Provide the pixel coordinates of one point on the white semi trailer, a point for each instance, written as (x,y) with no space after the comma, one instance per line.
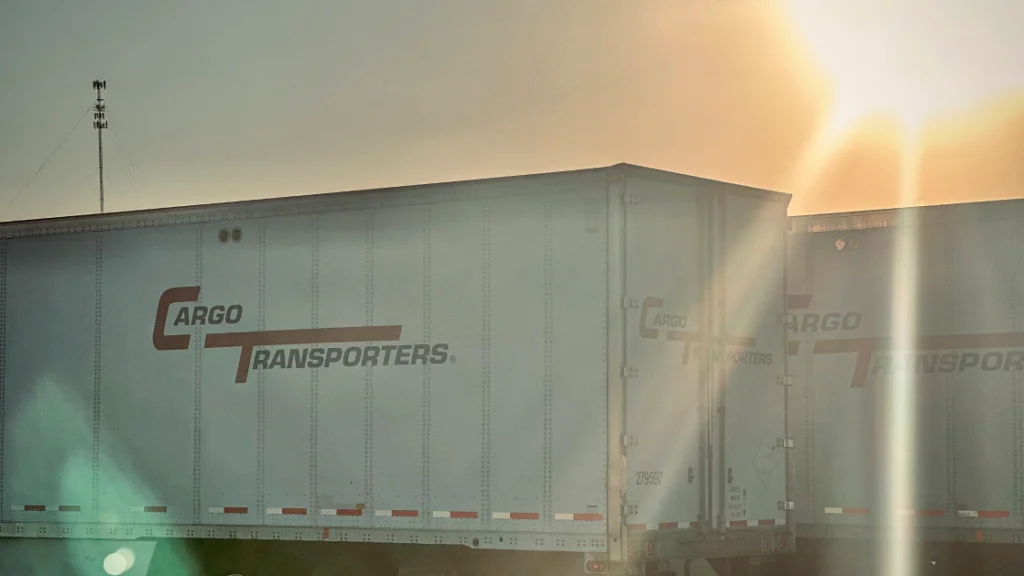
(579,371)
(962,364)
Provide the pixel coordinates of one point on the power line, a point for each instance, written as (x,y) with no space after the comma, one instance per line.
(122,144)
(45,162)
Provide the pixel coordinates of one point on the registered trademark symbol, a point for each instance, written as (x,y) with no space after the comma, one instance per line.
(451,359)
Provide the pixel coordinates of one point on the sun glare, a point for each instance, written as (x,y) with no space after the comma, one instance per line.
(910,60)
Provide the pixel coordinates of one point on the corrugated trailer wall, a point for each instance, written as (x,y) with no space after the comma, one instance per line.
(964,364)
(461,364)
(280,408)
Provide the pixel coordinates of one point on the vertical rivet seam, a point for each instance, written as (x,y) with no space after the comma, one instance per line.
(1015,285)
(368,381)
(197,394)
(485,372)
(605,349)
(314,375)
(97,373)
(261,380)
(548,360)
(3,367)
(425,409)
(949,285)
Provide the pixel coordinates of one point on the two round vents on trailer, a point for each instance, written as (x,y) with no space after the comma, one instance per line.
(234,235)
(842,244)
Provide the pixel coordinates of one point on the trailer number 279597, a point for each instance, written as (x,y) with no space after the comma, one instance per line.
(648,478)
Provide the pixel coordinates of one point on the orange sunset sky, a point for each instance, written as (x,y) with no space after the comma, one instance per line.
(844,105)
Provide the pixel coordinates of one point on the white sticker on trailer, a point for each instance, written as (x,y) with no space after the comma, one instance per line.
(737,506)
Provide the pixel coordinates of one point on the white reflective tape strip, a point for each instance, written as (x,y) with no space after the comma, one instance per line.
(382,512)
(275,511)
(968,513)
(501,515)
(442,514)
(328,511)
(565,516)
(216,510)
(833,510)
(780,522)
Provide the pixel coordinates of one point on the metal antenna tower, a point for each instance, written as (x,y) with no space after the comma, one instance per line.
(99,122)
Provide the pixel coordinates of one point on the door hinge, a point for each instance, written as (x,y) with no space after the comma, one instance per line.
(630,199)
(629,509)
(784,380)
(785,443)
(630,372)
(628,303)
(629,440)
(787,505)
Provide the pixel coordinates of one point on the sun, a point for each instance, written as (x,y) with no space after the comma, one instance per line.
(910,60)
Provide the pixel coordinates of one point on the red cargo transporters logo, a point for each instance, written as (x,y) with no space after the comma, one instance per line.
(291,348)
(935,354)
(652,321)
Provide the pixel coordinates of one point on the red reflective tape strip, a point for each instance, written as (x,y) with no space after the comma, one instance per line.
(455,514)
(348,512)
(43,508)
(637,526)
(668,526)
(398,513)
(738,524)
(523,516)
(293,511)
(149,509)
(856,511)
(993,514)
(236,510)
(573,517)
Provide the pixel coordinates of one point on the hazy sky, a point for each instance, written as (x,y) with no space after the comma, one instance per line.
(213,100)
